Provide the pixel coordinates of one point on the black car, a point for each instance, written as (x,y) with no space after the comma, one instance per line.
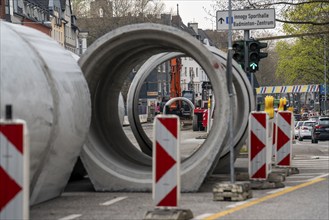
(320,130)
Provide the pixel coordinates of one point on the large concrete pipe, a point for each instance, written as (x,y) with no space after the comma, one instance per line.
(111,160)
(47,89)
(244,104)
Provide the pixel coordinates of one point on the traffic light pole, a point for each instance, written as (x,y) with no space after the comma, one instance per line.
(230,92)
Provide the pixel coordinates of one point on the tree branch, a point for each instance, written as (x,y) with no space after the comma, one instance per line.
(302,22)
(288,3)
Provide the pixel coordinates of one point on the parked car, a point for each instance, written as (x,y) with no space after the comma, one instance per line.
(320,130)
(297,117)
(297,126)
(314,118)
(305,130)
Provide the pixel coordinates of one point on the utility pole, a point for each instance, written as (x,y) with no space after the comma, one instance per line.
(230,92)
(325,73)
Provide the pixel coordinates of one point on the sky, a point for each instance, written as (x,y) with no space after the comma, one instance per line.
(192,11)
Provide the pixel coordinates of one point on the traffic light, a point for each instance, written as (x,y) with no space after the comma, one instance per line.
(254,54)
(238,56)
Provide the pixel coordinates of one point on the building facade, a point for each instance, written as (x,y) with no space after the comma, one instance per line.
(52,17)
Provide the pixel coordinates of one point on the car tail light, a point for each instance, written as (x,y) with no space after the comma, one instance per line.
(318,126)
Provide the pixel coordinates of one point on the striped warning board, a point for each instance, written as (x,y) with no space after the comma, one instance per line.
(287,89)
(284,138)
(14,170)
(166,161)
(258,145)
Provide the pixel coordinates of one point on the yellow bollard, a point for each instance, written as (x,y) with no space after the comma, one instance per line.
(283,103)
(269,106)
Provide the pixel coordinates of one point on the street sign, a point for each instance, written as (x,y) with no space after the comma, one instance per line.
(246,19)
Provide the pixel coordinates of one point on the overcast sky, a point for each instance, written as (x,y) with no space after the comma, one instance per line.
(192,11)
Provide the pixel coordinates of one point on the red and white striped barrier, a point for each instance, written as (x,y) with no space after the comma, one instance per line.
(166,161)
(14,170)
(284,138)
(274,136)
(260,146)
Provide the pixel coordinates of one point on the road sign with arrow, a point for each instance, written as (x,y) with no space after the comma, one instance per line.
(246,19)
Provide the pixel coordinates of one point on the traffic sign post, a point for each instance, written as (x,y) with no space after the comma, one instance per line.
(246,19)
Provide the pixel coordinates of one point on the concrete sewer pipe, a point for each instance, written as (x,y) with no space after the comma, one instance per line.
(47,89)
(113,163)
(244,104)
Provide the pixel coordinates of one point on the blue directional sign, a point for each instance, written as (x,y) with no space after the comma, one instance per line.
(323,89)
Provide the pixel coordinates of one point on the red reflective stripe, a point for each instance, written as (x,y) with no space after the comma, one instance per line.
(163,162)
(170,124)
(286,116)
(170,199)
(261,118)
(256,145)
(8,188)
(282,139)
(261,173)
(285,161)
(14,133)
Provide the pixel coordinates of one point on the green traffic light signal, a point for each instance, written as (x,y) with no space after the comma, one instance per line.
(254,54)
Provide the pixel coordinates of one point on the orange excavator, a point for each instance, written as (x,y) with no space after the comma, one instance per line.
(179,108)
(175,88)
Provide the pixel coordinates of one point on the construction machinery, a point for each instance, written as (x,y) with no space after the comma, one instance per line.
(201,109)
(179,108)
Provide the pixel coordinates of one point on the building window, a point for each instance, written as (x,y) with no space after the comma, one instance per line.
(196,72)
(101,13)
(185,71)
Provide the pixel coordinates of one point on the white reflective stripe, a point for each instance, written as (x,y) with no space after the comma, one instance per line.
(11,160)
(257,162)
(14,208)
(258,130)
(283,152)
(165,184)
(284,125)
(166,140)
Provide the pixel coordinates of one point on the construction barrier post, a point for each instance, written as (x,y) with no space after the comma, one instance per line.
(166,170)
(284,138)
(14,168)
(260,146)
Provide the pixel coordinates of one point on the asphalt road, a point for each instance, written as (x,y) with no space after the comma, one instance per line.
(305,195)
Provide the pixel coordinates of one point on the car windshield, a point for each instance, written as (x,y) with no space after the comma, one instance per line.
(299,123)
(309,124)
(324,121)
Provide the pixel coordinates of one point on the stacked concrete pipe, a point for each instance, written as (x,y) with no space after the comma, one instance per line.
(111,160)
(47,89)
(244,104)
